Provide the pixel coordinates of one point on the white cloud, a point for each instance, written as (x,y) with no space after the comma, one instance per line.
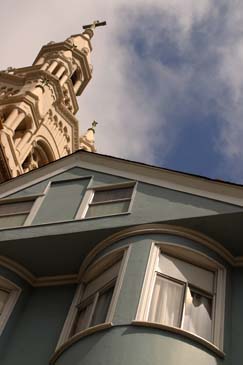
(132,95)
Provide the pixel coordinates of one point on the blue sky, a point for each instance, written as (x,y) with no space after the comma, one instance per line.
(167,86)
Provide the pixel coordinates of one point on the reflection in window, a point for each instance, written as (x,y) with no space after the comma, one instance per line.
(14,214)
(183,296)
(110,201)
(96,300)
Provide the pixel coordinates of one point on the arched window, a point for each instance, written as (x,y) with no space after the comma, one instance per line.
(39,156)
(74,77)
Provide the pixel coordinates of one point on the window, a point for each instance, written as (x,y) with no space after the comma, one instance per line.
(95,299)
(93,309)
(186,292)
(9,294)
(109,201)
(183,296)
(61,200)
(14,214)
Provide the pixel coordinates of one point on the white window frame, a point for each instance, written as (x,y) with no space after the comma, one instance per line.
(14,293)
(195,258)
(34,198)
(89,195)
(99,265)
(44,195)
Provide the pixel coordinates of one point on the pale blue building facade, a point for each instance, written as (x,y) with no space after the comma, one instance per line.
(107,261)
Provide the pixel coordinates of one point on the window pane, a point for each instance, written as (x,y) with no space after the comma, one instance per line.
(3,299)
(12,220)
(62,201)
(184,271)
(82,320)
(107,209)
(166,305)
(14,208)
(198,314)
(102,280)
(112,194)
(102,307)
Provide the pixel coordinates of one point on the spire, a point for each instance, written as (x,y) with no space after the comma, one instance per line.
(87,141)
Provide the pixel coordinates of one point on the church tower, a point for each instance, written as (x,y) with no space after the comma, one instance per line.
(38,105)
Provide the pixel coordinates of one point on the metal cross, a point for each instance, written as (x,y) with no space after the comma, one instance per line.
(94,25)
(94,124)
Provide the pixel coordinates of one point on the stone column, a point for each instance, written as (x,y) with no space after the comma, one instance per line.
(45,66)
(77,85)
(17,120)
(60,71)
(24,140)
(63,79)
(52,66)
(14,119)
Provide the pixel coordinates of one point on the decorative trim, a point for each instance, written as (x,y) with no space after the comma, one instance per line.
(104,326)
(146,288)
(130,232)
(34,281)
(158,229)
(14,293)
(18,269)
(182,333)
(55,280)
(173,180)
(77,337)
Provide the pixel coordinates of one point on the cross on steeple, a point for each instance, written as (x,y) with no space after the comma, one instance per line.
(94,25)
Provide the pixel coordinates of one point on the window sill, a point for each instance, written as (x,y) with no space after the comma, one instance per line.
(65,221)
(77,337)
(104,216)
(183,333)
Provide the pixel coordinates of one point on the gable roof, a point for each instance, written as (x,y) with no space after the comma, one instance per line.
(193,184)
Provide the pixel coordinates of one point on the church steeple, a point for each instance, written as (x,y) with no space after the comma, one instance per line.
(38,105)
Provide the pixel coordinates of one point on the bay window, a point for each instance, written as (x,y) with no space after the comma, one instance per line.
(96,299)
(184,290)
(183,296)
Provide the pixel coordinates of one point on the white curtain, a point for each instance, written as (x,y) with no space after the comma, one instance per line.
(166,302)
(198,314)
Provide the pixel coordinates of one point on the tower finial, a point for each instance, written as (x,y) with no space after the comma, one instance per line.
(95,24)
(87,141)
(89,28)
(94,124)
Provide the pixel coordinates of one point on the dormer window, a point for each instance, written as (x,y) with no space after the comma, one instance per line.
(109,200)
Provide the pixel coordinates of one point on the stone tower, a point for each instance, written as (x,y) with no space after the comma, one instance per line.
(38,106)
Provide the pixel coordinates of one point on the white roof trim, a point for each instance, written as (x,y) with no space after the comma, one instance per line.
(216,190)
